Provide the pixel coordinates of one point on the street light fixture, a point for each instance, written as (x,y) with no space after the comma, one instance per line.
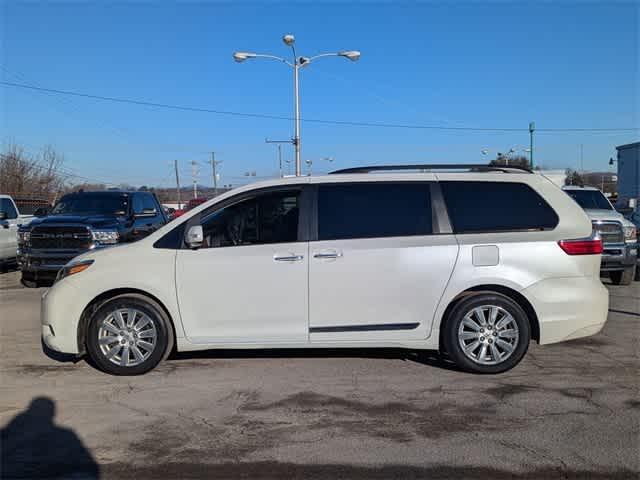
(242,56)
(296,64)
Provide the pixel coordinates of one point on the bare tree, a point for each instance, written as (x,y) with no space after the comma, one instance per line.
(31,176)
(574,178)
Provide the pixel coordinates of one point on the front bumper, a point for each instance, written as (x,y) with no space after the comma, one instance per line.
(60,315)
(45,262)
(619,256)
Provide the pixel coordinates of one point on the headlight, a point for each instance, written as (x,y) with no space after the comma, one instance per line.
(24,237)
(105,237)
(630,234)
(73,268)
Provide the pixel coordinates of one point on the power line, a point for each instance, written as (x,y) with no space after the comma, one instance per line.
(308,120)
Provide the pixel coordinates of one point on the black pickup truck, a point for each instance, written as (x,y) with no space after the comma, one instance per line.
(84,221)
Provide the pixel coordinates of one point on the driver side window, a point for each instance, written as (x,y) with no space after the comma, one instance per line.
(268,218)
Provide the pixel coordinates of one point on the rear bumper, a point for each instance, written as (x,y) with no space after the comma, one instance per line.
(569,308)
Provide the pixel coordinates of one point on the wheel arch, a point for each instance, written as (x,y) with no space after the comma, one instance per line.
(100,299)
(493,288)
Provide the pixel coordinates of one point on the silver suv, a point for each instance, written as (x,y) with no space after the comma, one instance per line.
(618,234)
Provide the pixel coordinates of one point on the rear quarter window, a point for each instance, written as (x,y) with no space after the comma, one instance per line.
(477,207)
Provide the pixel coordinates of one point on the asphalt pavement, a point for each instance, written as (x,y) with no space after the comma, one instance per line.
(569,410)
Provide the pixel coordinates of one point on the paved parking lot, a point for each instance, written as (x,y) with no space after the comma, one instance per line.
(568,411)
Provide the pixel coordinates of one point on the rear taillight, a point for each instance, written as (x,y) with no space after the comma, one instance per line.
(582,246)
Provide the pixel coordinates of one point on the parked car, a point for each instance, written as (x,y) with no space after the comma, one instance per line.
(178,213)
(618,234)
(193,203)
(474,264)
(81,222)
(169,212)
(10,219)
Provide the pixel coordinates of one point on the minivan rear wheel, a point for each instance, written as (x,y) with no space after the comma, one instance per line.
(129,335)
(487,333)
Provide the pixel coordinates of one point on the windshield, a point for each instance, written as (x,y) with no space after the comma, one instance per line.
(590,199)
(92,204)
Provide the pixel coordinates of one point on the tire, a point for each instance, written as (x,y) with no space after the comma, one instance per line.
(501,351)
(112,334)
(637,275)
(29,281)
(622,277)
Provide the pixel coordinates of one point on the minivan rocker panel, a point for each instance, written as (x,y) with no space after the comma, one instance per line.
(354,260)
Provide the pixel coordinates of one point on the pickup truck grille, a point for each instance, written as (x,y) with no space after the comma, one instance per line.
(610,232)
(61,237)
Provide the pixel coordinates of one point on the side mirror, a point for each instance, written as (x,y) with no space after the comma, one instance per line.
(146,212)
(195,237)
(3,215)
(41,212)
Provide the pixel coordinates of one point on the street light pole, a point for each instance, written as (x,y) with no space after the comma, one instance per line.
(532,128)
(298,62)
(296,133)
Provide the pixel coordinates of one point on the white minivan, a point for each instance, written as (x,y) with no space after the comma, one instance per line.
(474,263)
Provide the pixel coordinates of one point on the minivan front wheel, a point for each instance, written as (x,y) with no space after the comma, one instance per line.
(487,333)
(129,335)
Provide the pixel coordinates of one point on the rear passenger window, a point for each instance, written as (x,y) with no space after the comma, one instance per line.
(496,206)
(367,210)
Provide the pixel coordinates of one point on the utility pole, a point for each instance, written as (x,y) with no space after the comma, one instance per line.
(214,163)
(279,142)
(194,176)
(532,127)
(175,164)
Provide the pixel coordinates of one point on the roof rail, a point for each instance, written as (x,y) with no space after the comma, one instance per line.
(476,167)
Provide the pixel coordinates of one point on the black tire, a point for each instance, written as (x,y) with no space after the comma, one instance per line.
(622,277)
(29,280)
(484,299)
(156,314)
(637,275)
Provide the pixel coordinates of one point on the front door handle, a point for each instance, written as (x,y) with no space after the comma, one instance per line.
(288,258)
(327,255)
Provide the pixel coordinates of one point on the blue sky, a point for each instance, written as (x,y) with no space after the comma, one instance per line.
(500,64)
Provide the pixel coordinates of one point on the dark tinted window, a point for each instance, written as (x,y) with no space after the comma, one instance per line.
(496,206)
(172,240)
(92,204)
(269,218)
(367,210)
(7,207)
(143,201)
(593,199)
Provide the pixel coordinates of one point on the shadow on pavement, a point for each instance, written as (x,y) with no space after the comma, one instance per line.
(427,357)
(33,446)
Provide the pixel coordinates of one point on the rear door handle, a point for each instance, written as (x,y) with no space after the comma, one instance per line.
(327,255)
(288,258)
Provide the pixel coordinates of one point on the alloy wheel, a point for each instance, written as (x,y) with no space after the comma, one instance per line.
(488,335)
(127,337)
